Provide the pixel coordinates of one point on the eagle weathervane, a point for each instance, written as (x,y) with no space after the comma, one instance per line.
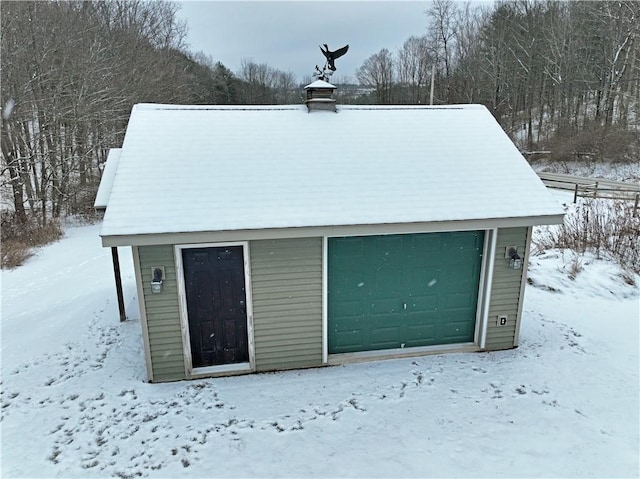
(329,66)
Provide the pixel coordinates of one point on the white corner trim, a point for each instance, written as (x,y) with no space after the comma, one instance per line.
(523,284)
(143,313)
(182,307)
(486,297)
(325,300)
(479,326)
(248,292)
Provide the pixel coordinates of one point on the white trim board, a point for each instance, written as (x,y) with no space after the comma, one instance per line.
(336,359)
(325,300)
(486,299)
(523,284)
(143,313)
(190,371)
(207,237)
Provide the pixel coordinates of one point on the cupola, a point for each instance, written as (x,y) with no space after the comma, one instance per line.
(320,96)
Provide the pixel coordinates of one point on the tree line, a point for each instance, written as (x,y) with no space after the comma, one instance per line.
(72,70)
(542,67)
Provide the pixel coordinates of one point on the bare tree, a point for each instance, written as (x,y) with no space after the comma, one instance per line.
(258,81)
(414,69)
(377,72)
(441,28)
(286,88)
(467,81)
(73,70)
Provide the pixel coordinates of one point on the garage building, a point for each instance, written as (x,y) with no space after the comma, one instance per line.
(277,237)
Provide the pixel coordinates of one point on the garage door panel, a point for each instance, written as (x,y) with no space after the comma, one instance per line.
(425,276)
(421,331)
(454,330)
(386,280)
(412,290)
(427,242)
(457,272)
(348,284)
(462,281)
(384,337)
(457,300)
(349,322)
(386,248)
(347,341)
(347,290)
(424,303)
(347,308)
(421,342)
(461,238)
(385,306)
(414,318)
(350,247)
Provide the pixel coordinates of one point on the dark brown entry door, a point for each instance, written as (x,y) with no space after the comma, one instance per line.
(216,305)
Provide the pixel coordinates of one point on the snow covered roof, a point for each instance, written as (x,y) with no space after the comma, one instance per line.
(225,168)
(320,84)
(106,183)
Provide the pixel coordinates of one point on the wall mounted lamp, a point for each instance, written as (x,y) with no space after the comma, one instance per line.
(157,275)
(515,261)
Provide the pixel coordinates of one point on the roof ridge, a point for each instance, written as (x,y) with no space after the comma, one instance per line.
(168,107)
(290,107)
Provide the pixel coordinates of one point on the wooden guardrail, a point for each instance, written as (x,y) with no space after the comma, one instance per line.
(594,187)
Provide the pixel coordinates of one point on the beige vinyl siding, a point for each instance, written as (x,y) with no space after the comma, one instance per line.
(505,289)
(163,314)
(286,280)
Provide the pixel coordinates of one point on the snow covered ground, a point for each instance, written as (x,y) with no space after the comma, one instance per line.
(75,404)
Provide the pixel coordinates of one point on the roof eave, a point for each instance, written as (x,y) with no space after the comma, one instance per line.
(195,237)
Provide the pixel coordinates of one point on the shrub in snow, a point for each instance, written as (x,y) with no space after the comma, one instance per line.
(606,228)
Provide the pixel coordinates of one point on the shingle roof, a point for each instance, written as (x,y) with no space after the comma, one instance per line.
(195,168)
(106,183)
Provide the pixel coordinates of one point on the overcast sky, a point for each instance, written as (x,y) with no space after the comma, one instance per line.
(287,35)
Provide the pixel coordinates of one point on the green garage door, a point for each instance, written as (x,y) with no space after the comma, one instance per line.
(402,291)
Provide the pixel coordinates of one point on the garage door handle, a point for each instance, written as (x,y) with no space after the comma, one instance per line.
(404,305)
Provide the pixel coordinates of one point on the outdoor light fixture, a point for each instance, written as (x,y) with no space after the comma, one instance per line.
(157,274)
(515,262)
